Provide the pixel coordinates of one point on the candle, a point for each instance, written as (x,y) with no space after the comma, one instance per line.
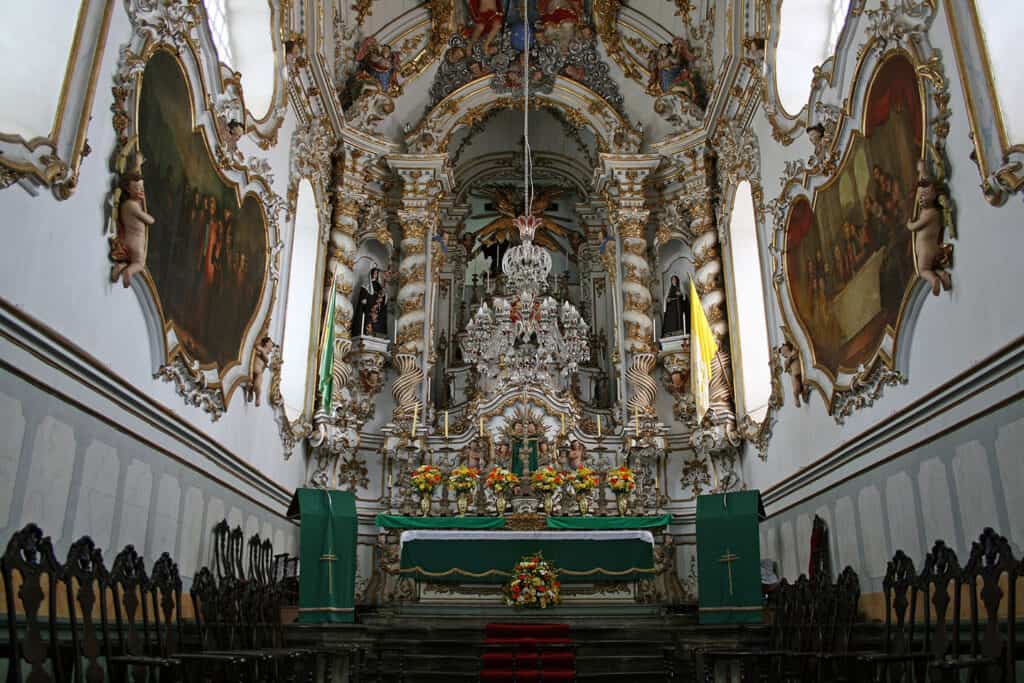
(396,331)
(563,424)
(362,324)
(655,322)
(481,425)
(389,480)
(415,414)
(446,424)
(636,419)
(599,426)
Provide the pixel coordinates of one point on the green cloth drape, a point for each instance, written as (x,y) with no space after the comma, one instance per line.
(609,522)
(729,558)
(516,466)
(403,522)
(491,561)
(327,555)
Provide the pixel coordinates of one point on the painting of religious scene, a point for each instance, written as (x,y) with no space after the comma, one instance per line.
(207,252)
(492,38)
(849,259)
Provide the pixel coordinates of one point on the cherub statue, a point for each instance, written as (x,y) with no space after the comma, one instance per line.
(577,454)
(260,361)
(129,248)
(927,228)
(791,364)
(819,142)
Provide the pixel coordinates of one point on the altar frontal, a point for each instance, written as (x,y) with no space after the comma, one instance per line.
(487,556)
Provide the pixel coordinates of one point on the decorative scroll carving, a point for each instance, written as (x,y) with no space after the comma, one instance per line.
(865,388)
(193,386)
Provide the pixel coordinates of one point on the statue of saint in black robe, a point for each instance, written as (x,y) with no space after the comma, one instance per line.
(677,311)
(370,316)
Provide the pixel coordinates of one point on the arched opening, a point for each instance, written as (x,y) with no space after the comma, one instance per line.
(751,328)
(299,327)
(808,33)
(242,33)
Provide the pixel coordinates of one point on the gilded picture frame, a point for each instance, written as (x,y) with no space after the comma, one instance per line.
(847,385)
(204,378)
(53,160)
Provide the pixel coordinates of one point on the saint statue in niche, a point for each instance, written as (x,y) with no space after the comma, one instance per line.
(370,316)
(677,310)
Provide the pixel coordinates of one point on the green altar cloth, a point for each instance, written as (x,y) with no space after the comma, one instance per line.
(488,557)
(403,522)
(609,522)
(729,558)
(327,555)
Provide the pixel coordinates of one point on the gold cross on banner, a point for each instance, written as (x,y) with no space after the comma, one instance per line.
(330,558)
(728,559)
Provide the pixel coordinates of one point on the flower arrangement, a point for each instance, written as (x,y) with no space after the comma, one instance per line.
(582,479)
(534,583)
(546,479)
(621,480)
(426,478)
(500,480)
(463,479)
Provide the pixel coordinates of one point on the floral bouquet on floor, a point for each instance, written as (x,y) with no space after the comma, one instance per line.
(534,583)
(463,479)
(501,480)
(426,478)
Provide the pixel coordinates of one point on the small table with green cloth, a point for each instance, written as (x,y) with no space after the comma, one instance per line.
(477,556)
(729,557)
(327,555)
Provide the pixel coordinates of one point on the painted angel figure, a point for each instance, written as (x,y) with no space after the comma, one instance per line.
(671,70)
(378,68)
(559,19)
(486,17)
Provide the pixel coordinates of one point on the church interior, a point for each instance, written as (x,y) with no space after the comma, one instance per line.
(538,357)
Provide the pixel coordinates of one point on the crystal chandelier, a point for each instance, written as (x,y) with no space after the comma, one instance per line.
(526,338)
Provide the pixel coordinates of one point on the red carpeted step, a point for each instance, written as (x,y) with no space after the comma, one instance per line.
(533,653)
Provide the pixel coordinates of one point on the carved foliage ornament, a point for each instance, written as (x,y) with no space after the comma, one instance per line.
(236,194)
(901,117)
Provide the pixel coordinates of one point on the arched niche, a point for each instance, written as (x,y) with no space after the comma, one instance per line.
(304,271)
(749,336)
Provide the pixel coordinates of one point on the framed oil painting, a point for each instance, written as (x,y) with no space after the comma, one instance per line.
(207,251)
(848,247)
(849,256)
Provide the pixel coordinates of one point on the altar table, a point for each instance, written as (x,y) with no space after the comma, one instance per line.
(474,556)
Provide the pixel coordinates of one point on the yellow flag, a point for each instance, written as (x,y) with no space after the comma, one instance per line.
(702,349)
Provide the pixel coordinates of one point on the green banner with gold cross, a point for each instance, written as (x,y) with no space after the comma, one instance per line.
(327,555)
(729,558)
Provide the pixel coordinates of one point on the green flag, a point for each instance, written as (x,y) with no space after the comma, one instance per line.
(325,383)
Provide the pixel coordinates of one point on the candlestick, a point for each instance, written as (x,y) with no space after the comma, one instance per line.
(415,414)
(446,424)
(599,426)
